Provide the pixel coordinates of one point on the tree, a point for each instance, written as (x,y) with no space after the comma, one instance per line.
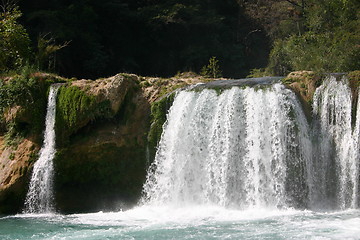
(14,40)
(212,69)
(330,42)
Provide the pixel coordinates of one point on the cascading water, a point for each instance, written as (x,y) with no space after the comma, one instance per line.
(39,198)
(335,169)
(243,148)
(253,147)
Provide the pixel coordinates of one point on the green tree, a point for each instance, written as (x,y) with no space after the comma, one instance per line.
(14,40)
(330,42)
(212,69)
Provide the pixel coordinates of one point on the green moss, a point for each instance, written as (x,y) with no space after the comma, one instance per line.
(168,89)
(159,110)
(75,109)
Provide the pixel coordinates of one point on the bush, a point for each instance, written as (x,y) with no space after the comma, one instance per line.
(212,69)
(336,51)
(15,42)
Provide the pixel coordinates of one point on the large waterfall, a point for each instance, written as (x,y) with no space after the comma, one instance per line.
(39,198)
(250,147)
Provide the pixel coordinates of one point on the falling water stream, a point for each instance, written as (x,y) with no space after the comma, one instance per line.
(39,198)
(236,163)
(240,148)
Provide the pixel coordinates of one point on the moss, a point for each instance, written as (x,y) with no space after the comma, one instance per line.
(165,89)
(159,111)
(75,109)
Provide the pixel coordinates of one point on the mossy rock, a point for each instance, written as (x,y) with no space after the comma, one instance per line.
(99,177)
(75,108)
(84,101)
(159,110)
(304,84)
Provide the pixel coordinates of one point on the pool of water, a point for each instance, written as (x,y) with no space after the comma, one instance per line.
(198,222)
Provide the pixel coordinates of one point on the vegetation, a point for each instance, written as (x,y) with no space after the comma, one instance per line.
(152,38)
(23,100)
(75,109)
(159,111)
(212,70)
(98,38)
(321,36)
(15,42)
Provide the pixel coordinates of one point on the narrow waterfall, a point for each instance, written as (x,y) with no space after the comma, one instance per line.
(335,168)
(39,198)
(253,147)
(246,147)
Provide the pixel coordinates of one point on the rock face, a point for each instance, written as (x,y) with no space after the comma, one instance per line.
(304,84)
(102,164)
(14,163)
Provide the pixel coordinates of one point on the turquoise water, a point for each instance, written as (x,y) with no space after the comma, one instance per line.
(199,222)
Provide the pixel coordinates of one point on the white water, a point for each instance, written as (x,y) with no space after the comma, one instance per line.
(198,222)
(336,166)
(239,149)
(39,198)
(252,147)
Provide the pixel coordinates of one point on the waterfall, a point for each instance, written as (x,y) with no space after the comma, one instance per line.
(336,166)
(39,198)
(245,147)
(252,146)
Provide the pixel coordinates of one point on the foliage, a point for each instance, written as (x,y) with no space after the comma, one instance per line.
(309,34)
(170,36)
(46,49)
(15,42)
(25,93)
(329,44)
(278,18)
(257,72)
(212,69)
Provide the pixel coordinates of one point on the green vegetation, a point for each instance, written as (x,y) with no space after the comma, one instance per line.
(328,40)
(149,38)
(15,42)
(159,111)
(211,70)
(75,109)
(23,100)
(272,37)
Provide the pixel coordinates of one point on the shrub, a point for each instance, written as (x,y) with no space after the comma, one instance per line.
(212,69)
(15,42)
